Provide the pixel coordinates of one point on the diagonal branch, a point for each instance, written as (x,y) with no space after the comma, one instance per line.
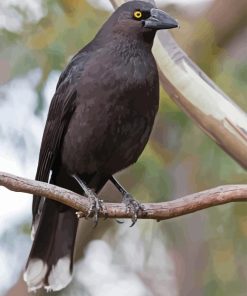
(159,211)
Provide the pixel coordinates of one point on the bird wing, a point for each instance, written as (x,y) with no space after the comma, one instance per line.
(60,111)
(59,115)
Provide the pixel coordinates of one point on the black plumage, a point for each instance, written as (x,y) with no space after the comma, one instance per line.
(99,122)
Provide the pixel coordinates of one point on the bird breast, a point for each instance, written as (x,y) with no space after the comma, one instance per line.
(114,116)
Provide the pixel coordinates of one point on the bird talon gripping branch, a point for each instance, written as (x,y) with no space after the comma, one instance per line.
(132,206)
(97,206)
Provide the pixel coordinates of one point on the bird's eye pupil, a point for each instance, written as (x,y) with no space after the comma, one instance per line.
(137,14)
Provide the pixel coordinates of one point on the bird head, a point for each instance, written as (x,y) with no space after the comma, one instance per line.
(144,15)
(138,18)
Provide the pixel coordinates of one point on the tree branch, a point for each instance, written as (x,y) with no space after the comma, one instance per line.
(159,211)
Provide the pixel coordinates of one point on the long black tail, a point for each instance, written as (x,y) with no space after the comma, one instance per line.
(50,262)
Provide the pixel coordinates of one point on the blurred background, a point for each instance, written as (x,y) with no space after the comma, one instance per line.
(198,254)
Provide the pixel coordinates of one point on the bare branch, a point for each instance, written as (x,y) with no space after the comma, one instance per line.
(199,97)
(159,211)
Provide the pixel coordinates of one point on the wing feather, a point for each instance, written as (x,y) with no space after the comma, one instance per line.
(60,112)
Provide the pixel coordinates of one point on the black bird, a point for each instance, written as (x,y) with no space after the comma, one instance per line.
(99,122)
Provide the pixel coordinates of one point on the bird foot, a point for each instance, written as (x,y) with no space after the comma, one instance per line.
(132,206)
(96,206)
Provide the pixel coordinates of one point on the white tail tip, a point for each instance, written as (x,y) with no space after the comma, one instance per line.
(35,274)
(58,278)
(60,275)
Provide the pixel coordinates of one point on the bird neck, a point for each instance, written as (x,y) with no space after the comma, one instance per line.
(126,41)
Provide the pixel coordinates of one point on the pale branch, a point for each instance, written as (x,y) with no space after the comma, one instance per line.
(158,211)
(199,97)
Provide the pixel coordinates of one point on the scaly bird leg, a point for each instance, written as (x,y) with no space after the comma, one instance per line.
(132,205)
(96,203)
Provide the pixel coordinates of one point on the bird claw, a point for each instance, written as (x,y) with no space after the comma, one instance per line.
(96,206)
(132,206)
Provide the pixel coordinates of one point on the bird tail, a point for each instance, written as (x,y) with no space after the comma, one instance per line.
(50,261)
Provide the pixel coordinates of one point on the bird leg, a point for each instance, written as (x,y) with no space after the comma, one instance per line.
(132,205)
(96,203)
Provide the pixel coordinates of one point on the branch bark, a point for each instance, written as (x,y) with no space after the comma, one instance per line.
(158,211)
(199,97)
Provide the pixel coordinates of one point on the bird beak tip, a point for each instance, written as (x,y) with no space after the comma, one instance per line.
(160,20)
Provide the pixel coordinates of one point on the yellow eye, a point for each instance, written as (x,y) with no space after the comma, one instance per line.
(137,14)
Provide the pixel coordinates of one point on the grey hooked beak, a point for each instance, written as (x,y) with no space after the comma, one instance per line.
(159,20)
